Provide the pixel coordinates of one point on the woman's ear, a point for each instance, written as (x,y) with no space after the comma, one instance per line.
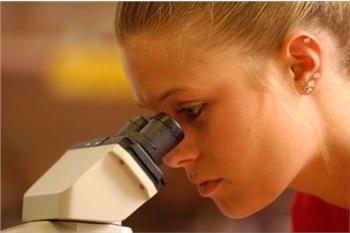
(303,55)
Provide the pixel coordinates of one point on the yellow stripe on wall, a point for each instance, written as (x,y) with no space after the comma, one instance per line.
(87,71)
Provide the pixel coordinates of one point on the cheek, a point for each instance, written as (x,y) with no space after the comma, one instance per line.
(234,129)
(257,148)
(255,137)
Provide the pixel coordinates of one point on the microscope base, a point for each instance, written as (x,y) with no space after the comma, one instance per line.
(67,226)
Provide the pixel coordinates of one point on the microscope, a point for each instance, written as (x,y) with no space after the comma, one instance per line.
(97,184)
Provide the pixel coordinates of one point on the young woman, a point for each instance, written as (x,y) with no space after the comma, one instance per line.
(262,91)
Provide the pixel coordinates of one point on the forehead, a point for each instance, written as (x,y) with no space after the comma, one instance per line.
(154,64)
(143,52)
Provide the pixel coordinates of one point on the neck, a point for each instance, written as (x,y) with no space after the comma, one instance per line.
(327,176)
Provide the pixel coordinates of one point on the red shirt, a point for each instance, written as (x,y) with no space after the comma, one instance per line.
(310,213)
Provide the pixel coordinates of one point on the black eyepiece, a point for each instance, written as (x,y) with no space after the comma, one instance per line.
(159,136)
(171,124)
(135,124)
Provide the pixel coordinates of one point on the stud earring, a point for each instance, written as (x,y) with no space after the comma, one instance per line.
(311,83)
(316,75)
(307,40)
(309,87)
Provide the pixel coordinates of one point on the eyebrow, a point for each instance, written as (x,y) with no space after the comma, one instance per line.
(164,95)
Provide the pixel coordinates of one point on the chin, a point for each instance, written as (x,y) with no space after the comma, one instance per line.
(239,210)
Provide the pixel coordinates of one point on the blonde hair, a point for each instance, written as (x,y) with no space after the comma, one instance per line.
(256,28)
(259,27)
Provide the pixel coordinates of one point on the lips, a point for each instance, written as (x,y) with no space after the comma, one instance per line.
(208,188)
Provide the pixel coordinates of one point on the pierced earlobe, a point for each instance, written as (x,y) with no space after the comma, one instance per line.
(311,83)
(309,87)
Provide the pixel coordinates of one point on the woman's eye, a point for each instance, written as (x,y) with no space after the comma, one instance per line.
(192,111)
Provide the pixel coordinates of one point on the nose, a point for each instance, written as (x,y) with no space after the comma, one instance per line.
(183,154)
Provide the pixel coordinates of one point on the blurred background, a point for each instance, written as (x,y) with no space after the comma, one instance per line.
(62,82)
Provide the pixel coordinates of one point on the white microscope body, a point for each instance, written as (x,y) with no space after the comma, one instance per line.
(97,184)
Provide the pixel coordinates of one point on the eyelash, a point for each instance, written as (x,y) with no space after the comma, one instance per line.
(198,107)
